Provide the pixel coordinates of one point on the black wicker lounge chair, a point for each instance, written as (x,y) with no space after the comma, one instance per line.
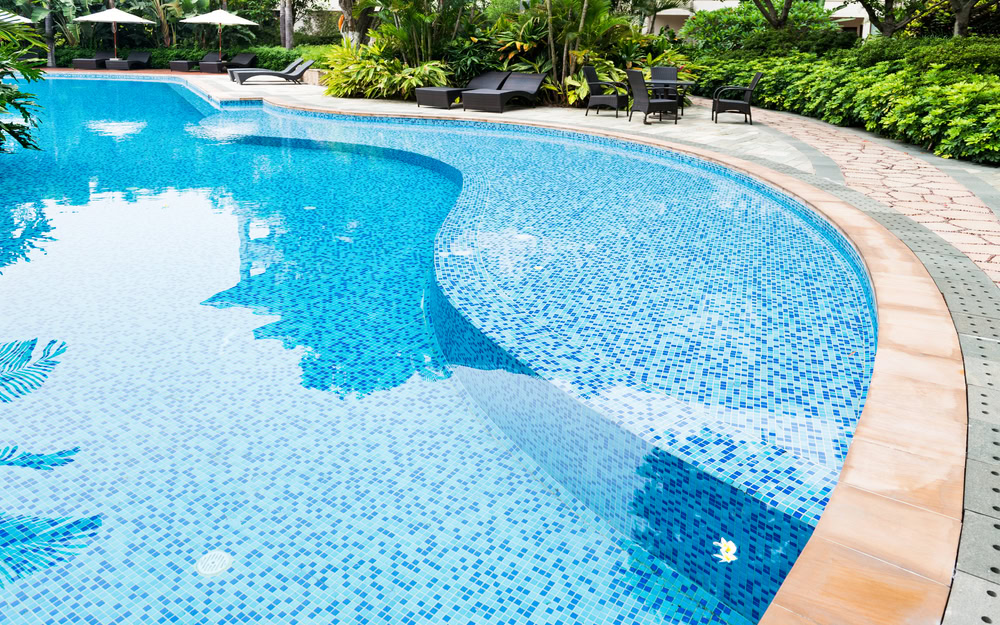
(599,95)
(524,86)
(186,66)
(135,60)
(288,69)
(643,103)
(444,97)
(294,76)
(720,105)
(667,73)
(244,60)
(95,63)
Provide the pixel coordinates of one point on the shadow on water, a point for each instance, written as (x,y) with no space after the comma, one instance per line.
(669,508)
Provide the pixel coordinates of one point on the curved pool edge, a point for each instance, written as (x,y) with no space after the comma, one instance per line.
(903,484)
(903,480)
(885,548)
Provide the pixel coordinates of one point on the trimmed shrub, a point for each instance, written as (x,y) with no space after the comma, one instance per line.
(954,112)
(268,57)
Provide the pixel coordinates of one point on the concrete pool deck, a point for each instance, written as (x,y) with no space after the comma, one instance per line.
(885,549)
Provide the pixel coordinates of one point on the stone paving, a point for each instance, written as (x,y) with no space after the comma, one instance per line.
(908,184)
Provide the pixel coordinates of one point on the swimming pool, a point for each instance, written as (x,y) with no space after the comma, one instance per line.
(411,371)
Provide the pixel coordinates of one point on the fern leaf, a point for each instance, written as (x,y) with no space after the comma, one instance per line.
(43,462)
(32,544)
(18,374)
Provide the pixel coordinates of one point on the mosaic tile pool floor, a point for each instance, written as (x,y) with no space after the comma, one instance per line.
(253,364)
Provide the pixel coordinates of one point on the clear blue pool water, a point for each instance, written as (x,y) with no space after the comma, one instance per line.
(405,372)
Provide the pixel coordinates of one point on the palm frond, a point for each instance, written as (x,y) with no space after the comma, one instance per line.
(43,462)
(32,544)
(19,375)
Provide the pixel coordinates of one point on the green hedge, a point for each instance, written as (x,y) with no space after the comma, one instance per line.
(953,111)
(268,57)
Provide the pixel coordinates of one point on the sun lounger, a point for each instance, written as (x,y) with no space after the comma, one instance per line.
(294,76)
(288,69)
(95,63)
(444,97)
(246,59)
(135,60)
(186,66)
(523,86)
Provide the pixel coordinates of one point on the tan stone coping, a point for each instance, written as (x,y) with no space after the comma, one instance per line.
(884,549)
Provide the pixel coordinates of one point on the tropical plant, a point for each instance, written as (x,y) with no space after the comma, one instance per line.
(20,372)
(363,71)
(15,41)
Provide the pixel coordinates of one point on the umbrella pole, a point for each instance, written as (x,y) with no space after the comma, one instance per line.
(220,43)
(114,29)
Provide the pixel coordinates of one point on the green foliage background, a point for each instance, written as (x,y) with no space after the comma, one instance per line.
(942,94)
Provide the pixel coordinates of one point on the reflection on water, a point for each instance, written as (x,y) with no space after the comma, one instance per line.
(344,266)
(22,229)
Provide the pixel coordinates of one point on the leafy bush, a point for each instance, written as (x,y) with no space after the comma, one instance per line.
(744,27)
(364,72)
(953,112)
(268,57)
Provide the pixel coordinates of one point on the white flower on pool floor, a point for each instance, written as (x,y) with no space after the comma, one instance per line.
(727,550)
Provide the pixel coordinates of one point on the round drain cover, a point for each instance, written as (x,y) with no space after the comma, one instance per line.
(214,563)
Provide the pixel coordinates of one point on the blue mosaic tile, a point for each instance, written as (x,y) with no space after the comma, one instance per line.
(657,352)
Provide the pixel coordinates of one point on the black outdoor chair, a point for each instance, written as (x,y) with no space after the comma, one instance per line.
(742,105)
(517,85)
(186,66)
(95,63)
(244,60)
(444,97)
(135,60)
(643,103)
(599,95)
(235,70)
(667,73)
(294,76)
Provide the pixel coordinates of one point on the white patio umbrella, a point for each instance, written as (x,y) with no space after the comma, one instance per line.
(113,17)
(222,18)
(10,18)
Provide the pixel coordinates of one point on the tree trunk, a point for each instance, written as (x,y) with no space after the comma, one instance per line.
(963,13)
(355,29)
(50,40)
(281,21)
(289,25)
(552,40)
(579,31)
